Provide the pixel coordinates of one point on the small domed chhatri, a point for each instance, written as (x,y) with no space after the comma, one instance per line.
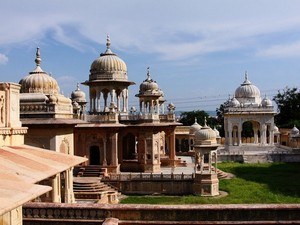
(149,86)
(78,95)
(39,81)
(266,102)
(205,136)
(108,66)
(195,127)
(247,93)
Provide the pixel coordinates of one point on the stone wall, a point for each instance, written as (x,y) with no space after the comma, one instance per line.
(69,214)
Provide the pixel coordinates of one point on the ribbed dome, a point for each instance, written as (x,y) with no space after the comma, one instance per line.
(149,86)
(108,66)
(195,127)
(266,102)
(78,95)
(205,135)
(39,81)
(247,90)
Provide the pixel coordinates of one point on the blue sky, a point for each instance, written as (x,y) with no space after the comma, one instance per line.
(197,51)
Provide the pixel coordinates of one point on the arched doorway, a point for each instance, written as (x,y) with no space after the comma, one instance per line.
(94,155)
(129,146)
(250,132)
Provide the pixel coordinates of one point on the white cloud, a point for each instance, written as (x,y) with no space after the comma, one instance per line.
(173,31)
(281,51)
(3,59)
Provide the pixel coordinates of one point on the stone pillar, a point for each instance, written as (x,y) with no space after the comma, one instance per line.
(255,130)
(91,104)
(114,150)
(126,100)
(104,163)
(141,106)
(98,102)
(119,103)
(172,151)
(239,135)
(56,189)
(69,193)
(230,135)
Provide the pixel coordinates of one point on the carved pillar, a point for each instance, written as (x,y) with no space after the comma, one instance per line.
(172,142)
(114,149)
(69,193)
(56,190)
(104,163)
(239,135)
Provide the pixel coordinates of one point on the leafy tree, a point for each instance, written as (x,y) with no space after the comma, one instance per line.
(288,102)
(188,118)
(220,119)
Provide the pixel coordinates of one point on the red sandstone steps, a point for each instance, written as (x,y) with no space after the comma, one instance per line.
(92,189)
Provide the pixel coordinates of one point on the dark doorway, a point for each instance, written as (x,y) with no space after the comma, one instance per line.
(94,155)
(129,147)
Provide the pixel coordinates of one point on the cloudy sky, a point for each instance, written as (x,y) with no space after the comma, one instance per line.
(198,51)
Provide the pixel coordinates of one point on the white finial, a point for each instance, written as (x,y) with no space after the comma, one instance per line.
(77,87)
(148,73)
(38,59)
(205,121)
(195,119)
(107,42)
(246,75)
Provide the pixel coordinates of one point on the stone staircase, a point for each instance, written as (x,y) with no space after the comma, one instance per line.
(91,189)
(90,171)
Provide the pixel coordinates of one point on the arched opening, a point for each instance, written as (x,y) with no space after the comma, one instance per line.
(129,147)
(94,155)
(250,132)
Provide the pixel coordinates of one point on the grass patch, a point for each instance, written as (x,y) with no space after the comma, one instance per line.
(254,183)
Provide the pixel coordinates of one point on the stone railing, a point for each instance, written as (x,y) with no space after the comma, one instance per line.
(70,214)
(249,109)
(148,177)
(139,117)
(102,118)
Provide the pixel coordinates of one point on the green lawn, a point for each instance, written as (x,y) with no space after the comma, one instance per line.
(254,183)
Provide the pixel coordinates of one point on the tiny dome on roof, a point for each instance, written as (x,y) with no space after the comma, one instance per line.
(78,95)
(217,132)
(108,66)
(205,136)
(39,81)
(195,127)
(266,102)
(276,130)
(234,102)
(248,91)
(294,131)
(149,85)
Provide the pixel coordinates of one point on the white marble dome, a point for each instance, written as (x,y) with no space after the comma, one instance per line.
(234,102)
(195,127)
(149,86)
(78,95)
(266,102)
(108,66)
(294,131)
(39,81)
(247,92)
(205,136)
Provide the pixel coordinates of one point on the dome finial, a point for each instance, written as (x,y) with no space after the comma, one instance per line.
(205,122)
(148,73)
(195,119)
(38,59)
(107,42)
(246,75)
(77,87)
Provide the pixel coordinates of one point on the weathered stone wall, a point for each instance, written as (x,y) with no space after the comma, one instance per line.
(69,214)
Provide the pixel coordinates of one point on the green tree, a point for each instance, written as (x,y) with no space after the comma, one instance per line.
(188,118)
(288,102)
(220,119)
